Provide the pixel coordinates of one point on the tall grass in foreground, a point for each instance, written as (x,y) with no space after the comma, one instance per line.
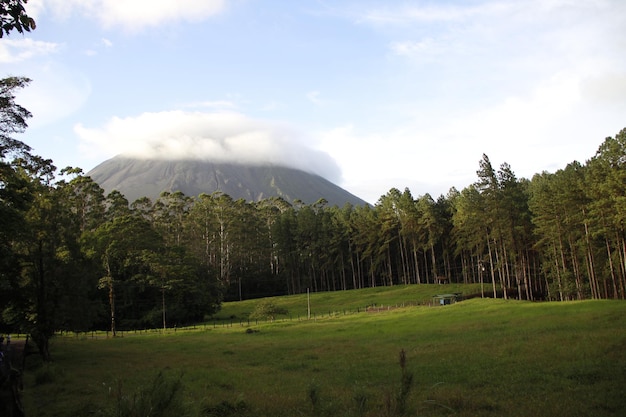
(474,358)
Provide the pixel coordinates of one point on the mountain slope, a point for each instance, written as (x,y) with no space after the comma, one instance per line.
(137,178)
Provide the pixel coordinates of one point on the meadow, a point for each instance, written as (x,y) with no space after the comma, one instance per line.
(478,357)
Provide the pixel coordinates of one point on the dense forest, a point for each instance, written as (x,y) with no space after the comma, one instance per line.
(73,258)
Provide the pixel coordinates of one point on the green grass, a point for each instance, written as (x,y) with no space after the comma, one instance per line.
(480,357)
(347,302)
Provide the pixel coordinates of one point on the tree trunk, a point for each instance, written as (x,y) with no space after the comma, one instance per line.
(111,294)
(493,273)
(593,280)
(612,269)
(558,272)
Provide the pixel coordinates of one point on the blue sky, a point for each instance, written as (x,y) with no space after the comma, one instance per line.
(370,94)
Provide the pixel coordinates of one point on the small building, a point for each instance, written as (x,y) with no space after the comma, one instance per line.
(445,299)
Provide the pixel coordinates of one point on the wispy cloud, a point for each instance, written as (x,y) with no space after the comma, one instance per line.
(103,43)
(55,93)
(17,50)
(134,15)
(213,104)
(314,97)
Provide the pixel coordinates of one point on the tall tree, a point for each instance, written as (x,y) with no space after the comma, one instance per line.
(126,246)
(607,189)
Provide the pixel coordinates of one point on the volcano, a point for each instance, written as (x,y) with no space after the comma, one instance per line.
(136,178)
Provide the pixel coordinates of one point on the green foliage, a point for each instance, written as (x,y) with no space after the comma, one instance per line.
(226,409)
(162,398)
(267,309)
(13,17)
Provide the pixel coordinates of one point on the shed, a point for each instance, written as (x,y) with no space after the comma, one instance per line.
(445,299)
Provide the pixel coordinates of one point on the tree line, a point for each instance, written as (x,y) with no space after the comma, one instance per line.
(74,258)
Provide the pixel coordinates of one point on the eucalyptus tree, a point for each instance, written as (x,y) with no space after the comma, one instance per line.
(341,244)
(185,291)
(200,229)
(43,255)
(116,205)
(211,234)
(144,207)
(35,249)
(251,249)
(269,211)
(126,247)
(83,198)
(169,214)
(286,251)
(16,194)
(81,202)
(307,240)
(222,213)
(53,285)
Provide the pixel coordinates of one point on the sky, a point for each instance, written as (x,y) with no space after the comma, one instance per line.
(370,94)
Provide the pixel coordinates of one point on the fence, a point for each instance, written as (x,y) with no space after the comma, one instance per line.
(241,322)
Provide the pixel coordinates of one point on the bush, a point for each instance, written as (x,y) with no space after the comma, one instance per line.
(266,309)
(163,398)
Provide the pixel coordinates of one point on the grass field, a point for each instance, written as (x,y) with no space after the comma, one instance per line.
(480,357)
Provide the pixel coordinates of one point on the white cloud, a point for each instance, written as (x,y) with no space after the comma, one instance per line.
(536,83)
(543,129)
(606,88)
(103,43)
(519,38)
(17,50)
(135,15)
(220,136)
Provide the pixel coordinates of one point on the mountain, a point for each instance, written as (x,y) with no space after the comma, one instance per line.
(136,178)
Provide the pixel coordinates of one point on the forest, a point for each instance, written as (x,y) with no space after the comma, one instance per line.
(72,258)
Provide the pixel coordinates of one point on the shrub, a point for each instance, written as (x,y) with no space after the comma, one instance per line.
(162,398)
(266,309)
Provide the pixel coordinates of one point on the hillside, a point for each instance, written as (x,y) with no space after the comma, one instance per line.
(137,178)
(480,357)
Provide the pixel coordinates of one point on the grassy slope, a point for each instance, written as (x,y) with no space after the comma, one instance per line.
(340,302)
(477,358)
